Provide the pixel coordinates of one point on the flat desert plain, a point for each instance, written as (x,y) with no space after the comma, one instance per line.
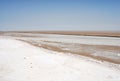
(82,33)
(59,56)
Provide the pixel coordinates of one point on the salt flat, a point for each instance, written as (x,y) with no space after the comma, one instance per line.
(20,61)
(50,57)
(96,47)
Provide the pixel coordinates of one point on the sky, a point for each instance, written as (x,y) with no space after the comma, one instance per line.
(80,15)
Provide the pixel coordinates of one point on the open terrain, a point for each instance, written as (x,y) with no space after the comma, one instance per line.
(72,56)
(80,33)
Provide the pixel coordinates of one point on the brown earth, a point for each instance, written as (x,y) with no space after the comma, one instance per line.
(83,33)
(1,33)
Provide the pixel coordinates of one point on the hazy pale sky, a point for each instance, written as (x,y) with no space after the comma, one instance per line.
(60,15)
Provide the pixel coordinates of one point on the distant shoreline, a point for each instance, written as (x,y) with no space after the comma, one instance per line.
(81,33)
